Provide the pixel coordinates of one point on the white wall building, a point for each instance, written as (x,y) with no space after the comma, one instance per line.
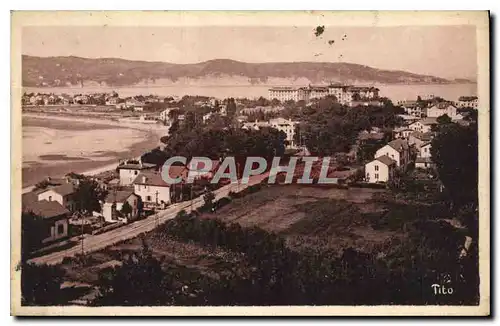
(467,102)
(63,194)
(287,126)
(113,204)
(152,189)
(443,108)
(380,169)
(424,159)
(130,170)
(398,150)
(424,125)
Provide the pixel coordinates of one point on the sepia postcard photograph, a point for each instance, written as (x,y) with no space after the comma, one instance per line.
(314,163)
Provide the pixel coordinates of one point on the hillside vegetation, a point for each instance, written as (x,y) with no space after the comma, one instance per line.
(61,71)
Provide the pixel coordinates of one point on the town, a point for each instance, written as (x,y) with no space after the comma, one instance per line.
(376,147)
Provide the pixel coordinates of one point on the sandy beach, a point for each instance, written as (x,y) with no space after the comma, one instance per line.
(56,145)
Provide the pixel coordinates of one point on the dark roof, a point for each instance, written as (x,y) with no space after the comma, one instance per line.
(443,105)
(428,121)
(467,98)
(118,196)
(63,190)
(150,178)
(364,135)
(398,144)
(45,208)
(386,160)
(423,160)
(425,136)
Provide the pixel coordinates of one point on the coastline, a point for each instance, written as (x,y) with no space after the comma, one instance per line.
(37,172)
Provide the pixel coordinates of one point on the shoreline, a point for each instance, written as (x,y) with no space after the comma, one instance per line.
(34,174)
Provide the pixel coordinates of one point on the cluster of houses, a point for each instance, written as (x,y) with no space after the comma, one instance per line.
(139,186)
(434,109)
(412,143)
(137,103)
(345,94)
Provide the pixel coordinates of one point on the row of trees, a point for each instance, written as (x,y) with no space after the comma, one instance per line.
(328,127)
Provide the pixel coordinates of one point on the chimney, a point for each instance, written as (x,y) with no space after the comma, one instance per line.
(144,179)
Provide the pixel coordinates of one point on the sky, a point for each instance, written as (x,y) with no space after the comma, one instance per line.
(443,51)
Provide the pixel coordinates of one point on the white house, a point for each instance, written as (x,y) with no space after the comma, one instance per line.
(152,189)
(53,214)
(397,150)
(380,169)
(402,132)
(63,194)
(424,159)
(425,150)
(424,125)
(131,169)
(467,102)
(413,108)
(287,126)
(443,108)
(113,204)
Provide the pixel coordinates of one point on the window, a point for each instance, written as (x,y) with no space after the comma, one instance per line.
(376,176)
(50,198)
(135,172)
(376,167)
(148,198)
(60,229)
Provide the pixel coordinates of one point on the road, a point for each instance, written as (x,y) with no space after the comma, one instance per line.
(97,242)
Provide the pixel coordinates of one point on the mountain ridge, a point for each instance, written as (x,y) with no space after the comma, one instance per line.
(73,70)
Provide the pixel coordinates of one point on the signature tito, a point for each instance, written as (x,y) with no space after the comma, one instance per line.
(441,289)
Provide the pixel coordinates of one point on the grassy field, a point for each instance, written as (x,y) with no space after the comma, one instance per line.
(315,216)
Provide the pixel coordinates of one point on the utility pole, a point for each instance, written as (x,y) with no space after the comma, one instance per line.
(81,215)
(237,177)
(191,196)
(156,214)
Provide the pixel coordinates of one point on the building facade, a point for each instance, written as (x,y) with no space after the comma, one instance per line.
(152,189)
(380,169)
(398,150)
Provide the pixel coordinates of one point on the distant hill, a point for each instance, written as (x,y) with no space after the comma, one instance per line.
(62,71)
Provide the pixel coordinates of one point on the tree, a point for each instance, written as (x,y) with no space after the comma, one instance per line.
(32,233)
(455,153)
(231,107)
(443,119)
(139,281)
(88,195)
(41,285)
(208,198)
(126,209)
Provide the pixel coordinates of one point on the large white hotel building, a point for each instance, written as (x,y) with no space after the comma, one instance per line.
(345,94)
